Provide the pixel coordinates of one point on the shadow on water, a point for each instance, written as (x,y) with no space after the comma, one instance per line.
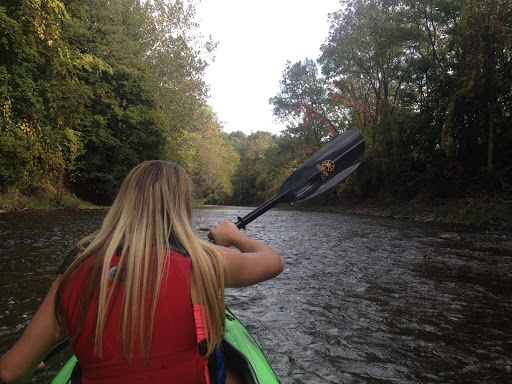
(361,300)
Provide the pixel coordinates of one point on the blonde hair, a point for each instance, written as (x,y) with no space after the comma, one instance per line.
(151,213)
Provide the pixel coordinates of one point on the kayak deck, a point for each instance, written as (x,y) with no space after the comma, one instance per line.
(244,358)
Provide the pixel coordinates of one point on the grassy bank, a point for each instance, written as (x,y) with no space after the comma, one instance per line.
(477,210)
(14,201)
(495,213)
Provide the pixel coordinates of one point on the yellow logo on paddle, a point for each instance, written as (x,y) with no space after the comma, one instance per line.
(326,167)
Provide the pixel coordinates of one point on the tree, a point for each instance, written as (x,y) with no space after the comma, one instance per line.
(177,57)
(303,103)
(213,160)
(143,100)
(119,124)
(476,109)
(252,152)
(40,97)
(366,59)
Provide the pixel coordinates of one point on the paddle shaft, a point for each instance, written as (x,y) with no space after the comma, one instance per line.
(272,202)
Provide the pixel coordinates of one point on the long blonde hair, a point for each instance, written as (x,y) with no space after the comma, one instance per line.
(151,214)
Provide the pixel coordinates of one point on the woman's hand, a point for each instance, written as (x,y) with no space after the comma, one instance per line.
(256,262)
(225,234)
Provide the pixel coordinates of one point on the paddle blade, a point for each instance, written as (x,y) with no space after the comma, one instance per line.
(326,168)
(323,170)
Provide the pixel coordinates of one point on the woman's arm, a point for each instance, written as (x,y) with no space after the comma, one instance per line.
(38,339)
(253,263)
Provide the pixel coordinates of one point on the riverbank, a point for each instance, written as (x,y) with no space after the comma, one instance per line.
(477,210)
(15,201)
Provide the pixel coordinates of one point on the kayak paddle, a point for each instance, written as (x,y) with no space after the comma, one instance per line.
(326,168)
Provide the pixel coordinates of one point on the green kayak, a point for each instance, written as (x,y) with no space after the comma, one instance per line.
(244,358)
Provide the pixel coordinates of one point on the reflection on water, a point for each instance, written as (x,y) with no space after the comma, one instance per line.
(361,300)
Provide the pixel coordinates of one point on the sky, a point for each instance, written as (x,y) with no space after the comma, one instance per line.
(256,38)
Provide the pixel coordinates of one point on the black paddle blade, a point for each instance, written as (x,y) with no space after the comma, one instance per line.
(323,170)
(326,168)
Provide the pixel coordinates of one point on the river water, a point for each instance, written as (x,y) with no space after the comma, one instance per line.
(362,299)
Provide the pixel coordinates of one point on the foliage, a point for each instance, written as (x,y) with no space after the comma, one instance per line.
(265,162)
(140,107)
(90,88)
(213,161)
(427,82)
(477,109)
(39,97)
(13,200)
(303,103)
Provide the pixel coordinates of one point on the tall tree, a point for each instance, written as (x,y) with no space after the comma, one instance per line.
(303,103)
(366,60)
(476,109)
(177,56)
(40,97)
(431,24)
(141,103)
(252,152)
(119,124)
(212,162)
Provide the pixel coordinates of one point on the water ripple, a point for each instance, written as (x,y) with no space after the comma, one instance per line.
(361,299)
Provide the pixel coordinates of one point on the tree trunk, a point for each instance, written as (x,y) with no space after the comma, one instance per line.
(490,147)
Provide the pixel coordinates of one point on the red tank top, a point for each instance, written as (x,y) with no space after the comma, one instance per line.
(174,355)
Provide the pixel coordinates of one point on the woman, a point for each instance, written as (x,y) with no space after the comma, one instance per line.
(145,290)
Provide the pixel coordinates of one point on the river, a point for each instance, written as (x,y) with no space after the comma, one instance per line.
(361,300)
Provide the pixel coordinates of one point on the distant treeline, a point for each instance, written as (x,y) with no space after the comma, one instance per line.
(89,88)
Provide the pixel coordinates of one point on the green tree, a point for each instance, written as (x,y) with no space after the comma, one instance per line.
(367,62)
(252,153)
(145,97)
(213,161)
(303,104)
(477,109)
(177,56)
(40,97)
(118,125)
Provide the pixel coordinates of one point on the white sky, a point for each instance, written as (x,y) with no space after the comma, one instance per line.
(256,38)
